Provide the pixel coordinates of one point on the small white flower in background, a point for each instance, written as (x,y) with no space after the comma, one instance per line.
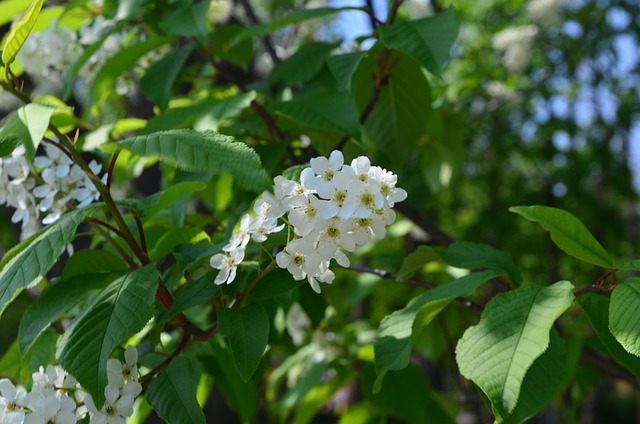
(297,323)
(544,12)
(515,43)
(227,263)
(334,207)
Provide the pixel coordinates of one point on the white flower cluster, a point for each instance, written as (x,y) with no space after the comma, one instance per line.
(43,190)
(333,207)
(515,43)
(56,397)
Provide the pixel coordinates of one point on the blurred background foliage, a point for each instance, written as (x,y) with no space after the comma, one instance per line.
(556,123)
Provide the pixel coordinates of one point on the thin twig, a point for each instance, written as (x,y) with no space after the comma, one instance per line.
(112,165)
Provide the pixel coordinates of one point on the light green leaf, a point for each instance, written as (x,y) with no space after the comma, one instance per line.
(332,111)
(513,331)
(19,32)
(86,270)
(159,78)
(541,381)
(624,314)
(119,63)
(212,114)
(399,119)
(206,151)
(568,233)
(247,330)
(427,40)
(117,313)
(25,265)
(393,342)
(597,309)
(10,9)
(173,393)
(159,201)
(303,65)
(343,66)
(464,254)
(27,126)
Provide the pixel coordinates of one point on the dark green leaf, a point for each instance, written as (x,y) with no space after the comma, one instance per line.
(26,264)
(568,233)
(513,331)
(206,151)
(303,65)
(399,118)
(117,313)
(597,309)
(464,254)
(332,111)
(415,261)
(406,395)
(275,283)
(159,78)
(427,40)
(193,294)
(188,21)
(343,66)
(393,343)
(247,330)
(173,393)
(82,274)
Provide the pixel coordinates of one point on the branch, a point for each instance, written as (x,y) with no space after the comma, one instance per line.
(437,235)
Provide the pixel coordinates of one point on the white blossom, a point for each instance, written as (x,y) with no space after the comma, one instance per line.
(515,43)
(227,263)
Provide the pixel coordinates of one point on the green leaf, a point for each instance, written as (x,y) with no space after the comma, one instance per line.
(513,331)
(541,381)
(597,309)
(173,393)
(27,126)
(206,151)
(10,9)
(247,330)
(158,80)
(62,296)
(415,261)
(624,314)
(212,115)
(343,66)
(87,54)
(155,203)
(630,265)
(393,342)
(406,396)
(25,265)
(568,233)
(332,111)
(303,65)
(120,62)
(175,237)
(464,254)
(229,46)
(399,119)
(427,40)
(19,32)
(188,21)
(194,294)
(241,396)
(117,313)
(276,283)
